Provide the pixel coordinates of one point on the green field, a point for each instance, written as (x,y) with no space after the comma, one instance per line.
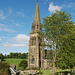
(14,61)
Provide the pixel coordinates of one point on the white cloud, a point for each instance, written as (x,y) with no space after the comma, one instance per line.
(18,25)
(13,45)
(2,15)
(1,25)
(20,14)
(20,38)
(7,30)
(52,7)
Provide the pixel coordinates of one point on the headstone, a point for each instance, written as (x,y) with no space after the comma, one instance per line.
(0,60)
(74,71)
(68,74)
(13,66)
(62,73)
(58,73)
(37,72)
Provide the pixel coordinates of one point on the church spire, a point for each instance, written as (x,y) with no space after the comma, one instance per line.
(37,14)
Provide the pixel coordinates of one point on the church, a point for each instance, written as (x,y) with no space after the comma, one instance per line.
(36,54)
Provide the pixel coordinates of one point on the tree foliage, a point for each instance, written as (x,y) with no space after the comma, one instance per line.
(66,54)
(59,31)
(17,55)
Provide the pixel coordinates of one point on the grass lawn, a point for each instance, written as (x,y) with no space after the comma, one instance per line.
(14,61)
(45,72)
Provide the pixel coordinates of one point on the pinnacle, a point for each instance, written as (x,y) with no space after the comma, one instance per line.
(37,14)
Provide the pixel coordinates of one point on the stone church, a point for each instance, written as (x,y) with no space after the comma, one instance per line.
(36,54)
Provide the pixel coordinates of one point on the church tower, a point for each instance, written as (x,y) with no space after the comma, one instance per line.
(35,54)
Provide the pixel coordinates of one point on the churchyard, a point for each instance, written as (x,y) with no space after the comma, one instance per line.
(43,72)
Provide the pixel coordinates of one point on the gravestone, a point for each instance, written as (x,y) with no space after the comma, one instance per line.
(0,60)
(62,73)
(73,71)
(58,73)
(13,66)
(68,74)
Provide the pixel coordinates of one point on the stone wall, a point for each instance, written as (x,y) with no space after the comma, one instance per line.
(46,64)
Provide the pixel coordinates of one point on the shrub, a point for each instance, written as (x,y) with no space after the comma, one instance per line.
(4,68)
(23,64)
(1,56)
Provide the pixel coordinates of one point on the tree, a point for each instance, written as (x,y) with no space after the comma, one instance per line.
(55,28)
(67,51)
(17,55)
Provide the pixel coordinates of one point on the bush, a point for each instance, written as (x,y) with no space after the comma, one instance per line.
(4,68)
(1,56)
(23,64)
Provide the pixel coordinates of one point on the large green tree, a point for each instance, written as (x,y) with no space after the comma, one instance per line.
(55,28)
(66,53)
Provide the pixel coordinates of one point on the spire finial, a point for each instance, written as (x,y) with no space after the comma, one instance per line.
(37,0)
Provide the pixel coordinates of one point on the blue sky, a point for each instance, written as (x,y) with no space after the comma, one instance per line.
(16,18)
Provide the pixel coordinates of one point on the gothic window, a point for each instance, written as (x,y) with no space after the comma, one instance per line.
(33,61)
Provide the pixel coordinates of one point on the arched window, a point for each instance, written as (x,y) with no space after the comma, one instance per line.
(37,26)
(33,61)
